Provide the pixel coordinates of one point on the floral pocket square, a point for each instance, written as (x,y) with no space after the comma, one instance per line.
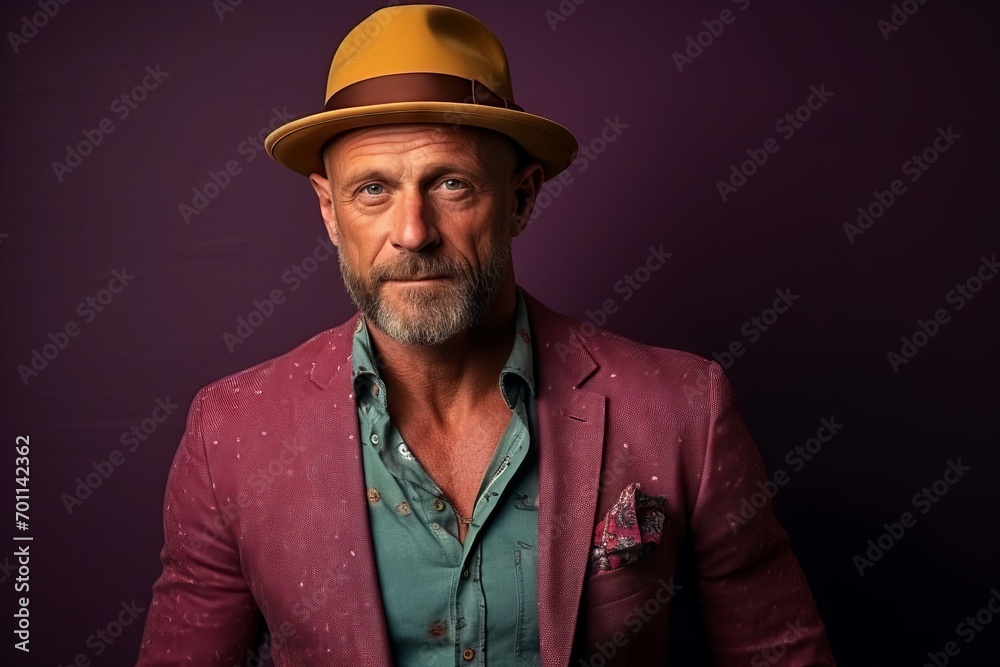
(628,530)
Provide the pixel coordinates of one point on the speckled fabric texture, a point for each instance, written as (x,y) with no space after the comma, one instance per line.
(265,515)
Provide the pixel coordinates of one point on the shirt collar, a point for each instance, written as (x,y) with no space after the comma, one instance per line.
(517,373)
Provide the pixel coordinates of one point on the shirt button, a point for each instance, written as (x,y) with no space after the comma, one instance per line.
(465,574)
(438,504)
(374,438)
(468,655)
(373,495)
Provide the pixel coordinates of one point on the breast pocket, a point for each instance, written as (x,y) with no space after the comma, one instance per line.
(526,629)
(646,577)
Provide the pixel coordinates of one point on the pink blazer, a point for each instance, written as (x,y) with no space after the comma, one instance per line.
(265,514)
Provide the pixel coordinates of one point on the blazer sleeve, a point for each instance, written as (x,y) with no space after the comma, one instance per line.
(202,612)
(757,606)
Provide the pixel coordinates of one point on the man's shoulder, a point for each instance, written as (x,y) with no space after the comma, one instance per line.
(313,361)
(564,338)
(610,347)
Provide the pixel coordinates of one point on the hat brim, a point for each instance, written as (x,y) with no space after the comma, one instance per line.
(297,144)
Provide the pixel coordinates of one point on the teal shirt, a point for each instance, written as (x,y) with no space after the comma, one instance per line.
(449,603)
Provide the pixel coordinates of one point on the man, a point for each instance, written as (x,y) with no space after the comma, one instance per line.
(457,475)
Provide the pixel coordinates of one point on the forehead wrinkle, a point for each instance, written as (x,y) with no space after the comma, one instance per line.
(370,141)
(422,155)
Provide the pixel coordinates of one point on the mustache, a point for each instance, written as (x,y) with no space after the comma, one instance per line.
(417,267)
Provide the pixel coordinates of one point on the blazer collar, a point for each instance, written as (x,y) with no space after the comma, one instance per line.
(335,355)
(554,334)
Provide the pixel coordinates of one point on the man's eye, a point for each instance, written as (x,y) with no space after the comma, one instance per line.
(453,184)
(374,189)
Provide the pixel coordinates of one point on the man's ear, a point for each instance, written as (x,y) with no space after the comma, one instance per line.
(527,183)
(321,185)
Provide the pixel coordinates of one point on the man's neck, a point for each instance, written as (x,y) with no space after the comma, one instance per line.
(444,383)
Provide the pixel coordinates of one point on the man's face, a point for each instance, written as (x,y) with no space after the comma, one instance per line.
(423,217)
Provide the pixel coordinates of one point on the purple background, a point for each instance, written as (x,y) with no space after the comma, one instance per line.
(654,185)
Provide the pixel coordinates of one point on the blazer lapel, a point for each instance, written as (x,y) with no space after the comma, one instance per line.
(571,425)
(332,370)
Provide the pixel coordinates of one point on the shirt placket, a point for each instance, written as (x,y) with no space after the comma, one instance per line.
(467,593)
(470,595)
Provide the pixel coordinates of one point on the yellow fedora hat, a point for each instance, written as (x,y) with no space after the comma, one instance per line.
(420,64)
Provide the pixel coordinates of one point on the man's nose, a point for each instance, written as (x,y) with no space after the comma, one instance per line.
(413,225)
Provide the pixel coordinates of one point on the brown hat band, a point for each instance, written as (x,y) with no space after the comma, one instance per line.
(417,87)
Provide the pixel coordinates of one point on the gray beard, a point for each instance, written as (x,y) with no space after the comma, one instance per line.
(435,314)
